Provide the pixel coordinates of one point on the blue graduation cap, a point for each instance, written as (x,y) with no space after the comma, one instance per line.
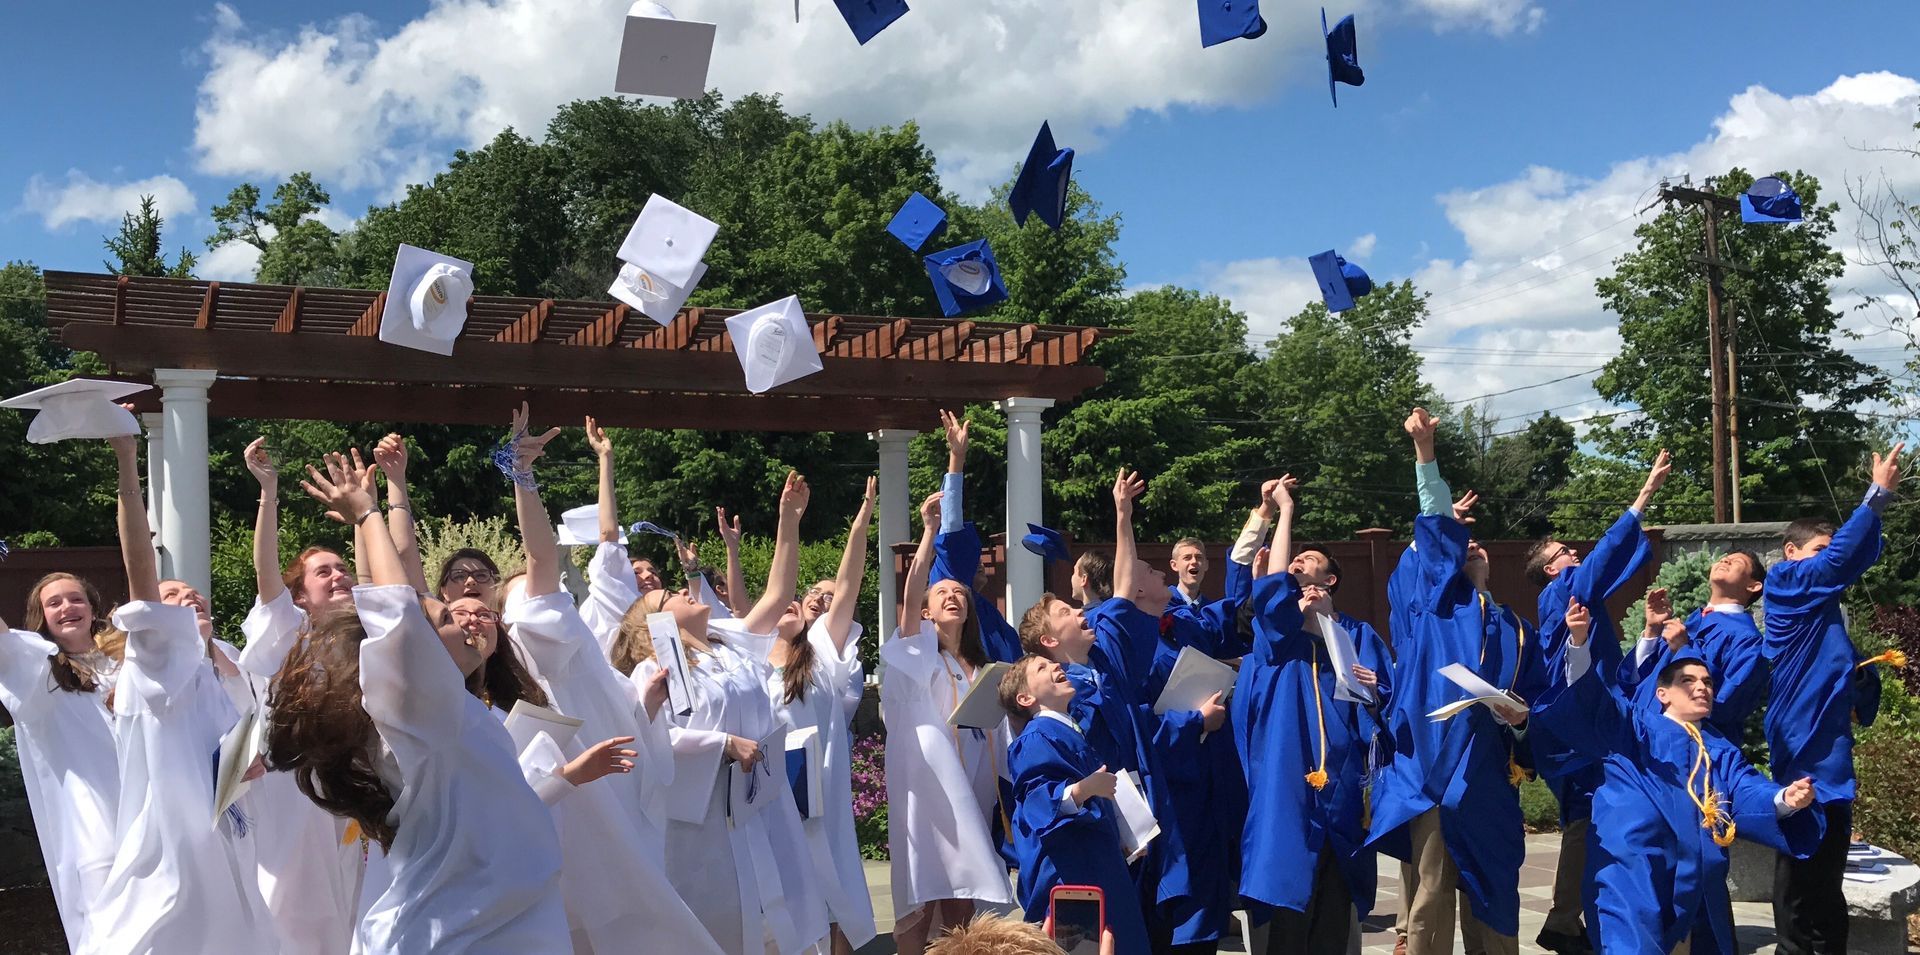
(1046,542)
(917,221)
(1343,55)
(965,278)
(1223,20)
(1340,281)
(1041,187)
(1769,200)
(868,17)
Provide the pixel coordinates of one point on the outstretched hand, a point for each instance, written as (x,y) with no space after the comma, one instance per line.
(957,429)
(729,532)
(260,465)
(1659,608)
(1282,493)
(1463,508)
(390,455)
(527,446)
(1886,471)
(346,488)
(1127,485)
(1662,466)
(1265,507)
(605,758)
(1579,622)
(597,439)
(794,496)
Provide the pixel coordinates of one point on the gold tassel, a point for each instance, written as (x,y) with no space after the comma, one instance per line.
(1516,774)
(1707,801)
(1317,779)
(352,834)
(1893,658)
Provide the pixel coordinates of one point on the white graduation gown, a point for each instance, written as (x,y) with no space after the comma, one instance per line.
(181,880)
(613,877)
(941,788)
(611,591)
(748,878)
(309,871)
(837,683)
(475,860)
(67,758)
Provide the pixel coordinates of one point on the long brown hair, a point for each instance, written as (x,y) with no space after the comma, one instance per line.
(503,680)
(318,728)
(70,674)
(798,674)
(972,649)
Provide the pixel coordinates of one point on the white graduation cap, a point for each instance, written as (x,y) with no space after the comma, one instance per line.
(774,344)
(580,526)
(426,300)
(654,297)
(661,55)
(78,408)
(668,241)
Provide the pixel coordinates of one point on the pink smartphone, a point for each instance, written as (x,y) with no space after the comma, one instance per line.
(1079,913)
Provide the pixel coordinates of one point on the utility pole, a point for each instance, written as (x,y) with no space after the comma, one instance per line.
(1719,342)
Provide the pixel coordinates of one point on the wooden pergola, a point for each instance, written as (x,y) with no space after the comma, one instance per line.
(275,351)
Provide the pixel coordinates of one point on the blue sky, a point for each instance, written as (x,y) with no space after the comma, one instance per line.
(1489,131)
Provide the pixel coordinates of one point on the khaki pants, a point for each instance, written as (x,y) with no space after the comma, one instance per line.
(1569,874)
(1436,895)
(1685,947)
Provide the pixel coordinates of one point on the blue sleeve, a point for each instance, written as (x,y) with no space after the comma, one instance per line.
(1856,545)
(1239,581)
(1440,553)
(1277,619)
(1743,674)
(956,555)
(1042,773)
(1436,498)
(1616,557)
(1754,813)
(1632,672)
(953,510)
(1586,716)
(1124,642)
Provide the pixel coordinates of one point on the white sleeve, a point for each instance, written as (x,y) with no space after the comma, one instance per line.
(164,651)
(1579,661)
(408,683)
(272,629)
(611,591)
(551,631)
(1645,649)
(1247,546)
(750,644)
(25,669)
(542,764)
(841,669)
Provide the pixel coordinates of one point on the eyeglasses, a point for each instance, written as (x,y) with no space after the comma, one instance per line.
(476,574)
(484,616)
(824,596)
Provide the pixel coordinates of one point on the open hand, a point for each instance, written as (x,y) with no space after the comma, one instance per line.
(346,488)
(260,465)
(528,447)
(1127,485)
(1886,471)
(390,455)
(1463,508)
(794,496)
(957,429)
(605,758)
(1099,783)
(1659,607)
(597,439)
(729,533)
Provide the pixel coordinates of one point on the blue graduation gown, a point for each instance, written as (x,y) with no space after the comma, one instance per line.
(1083,848)
(1817,690)
(956,556)
(1458,766)
(1729,643)
(1659,876)
(1277,710)
(1616,557)
(1212,627)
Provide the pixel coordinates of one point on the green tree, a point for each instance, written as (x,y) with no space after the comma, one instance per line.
(1515,473)
(1799,393)
(61,492)
(295,246)
(136,248)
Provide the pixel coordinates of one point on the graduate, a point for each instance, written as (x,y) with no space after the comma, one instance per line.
(1212,626)
(612,879)
(736,850)
(183,879)
(1066,828)
(54,681)
(956,552)
(312,862)
(1189,565)
(373,715)
(1557,568)
(1304,736)
(1447,802)
(942,782)
(816,683)
(1820,688)
(1722,634)
(1675,795)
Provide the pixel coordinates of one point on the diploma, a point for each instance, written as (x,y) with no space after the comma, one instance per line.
(528,720)
(1195,677)
(664,632)
(1478,691)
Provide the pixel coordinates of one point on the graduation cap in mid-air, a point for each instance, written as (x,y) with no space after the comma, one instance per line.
(662,256)
(1223,20)
(1343,55)
(1769,199)
(965,278)
(917,221)
(774,344)
(868,17)
(662,55)
(78,408)
(1046,542)
(426,304)
(1041,187)
(1340,281)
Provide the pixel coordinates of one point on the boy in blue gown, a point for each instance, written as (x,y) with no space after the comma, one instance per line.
(1305,744)
(1559,571)
(1447,801)
(1820,688)
(1675,794)
(956,551)
(1066,829)
(1722,634)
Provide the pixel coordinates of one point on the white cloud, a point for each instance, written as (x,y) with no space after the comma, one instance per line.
(1500,17)
(362,109)
(82,199)
(1522,300)
(1361,248)
(231,262)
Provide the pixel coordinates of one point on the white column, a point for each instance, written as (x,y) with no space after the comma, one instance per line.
(156,425)
(184,518)
(1025,570)
(895,517)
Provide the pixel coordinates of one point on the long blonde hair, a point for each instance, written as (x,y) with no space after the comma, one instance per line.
(633,644)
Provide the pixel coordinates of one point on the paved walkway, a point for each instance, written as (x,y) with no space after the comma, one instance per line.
(1753,921)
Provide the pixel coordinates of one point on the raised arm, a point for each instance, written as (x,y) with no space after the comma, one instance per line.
(266,523)
(346,488)
(953,512)
(391,455)
(1127,485)
(136,538)
(914,596)
(853,570)
(736,578)
(785,572)
(1434,493)
(536,529)
(1856,544)
(609,510)
(1662,466)
(1279,553)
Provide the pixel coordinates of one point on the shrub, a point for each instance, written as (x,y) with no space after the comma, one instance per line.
(12,784)
(870,796)
(498,537)
(1539,810)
